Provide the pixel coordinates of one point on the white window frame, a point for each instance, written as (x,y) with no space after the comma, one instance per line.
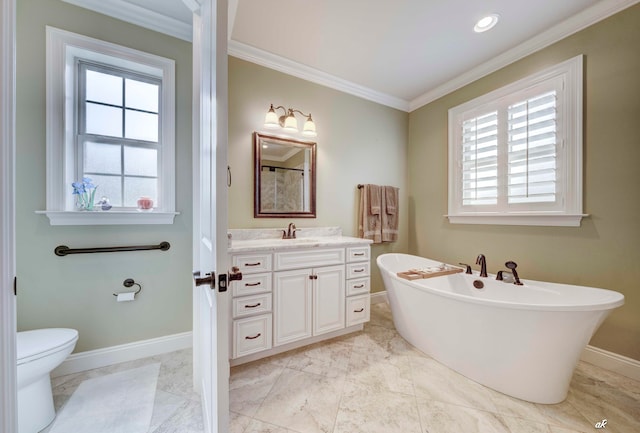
(63,49)
(567,211)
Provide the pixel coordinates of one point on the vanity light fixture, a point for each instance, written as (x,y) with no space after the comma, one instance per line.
(486,23)
(288,121)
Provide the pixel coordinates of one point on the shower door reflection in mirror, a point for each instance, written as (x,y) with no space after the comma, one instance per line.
(285,177)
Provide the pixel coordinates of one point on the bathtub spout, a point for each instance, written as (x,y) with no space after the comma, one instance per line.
(482,261)
(468,268)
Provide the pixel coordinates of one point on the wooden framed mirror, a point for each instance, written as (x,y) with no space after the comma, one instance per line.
(285,177)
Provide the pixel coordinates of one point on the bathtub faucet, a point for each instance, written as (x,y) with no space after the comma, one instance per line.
(513,265)
(482,261)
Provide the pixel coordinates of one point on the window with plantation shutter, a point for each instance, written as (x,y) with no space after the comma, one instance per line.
(515,154)
(480,160)
(532,143)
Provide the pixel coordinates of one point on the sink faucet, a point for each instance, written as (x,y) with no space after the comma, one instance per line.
(482,261)
(290,233)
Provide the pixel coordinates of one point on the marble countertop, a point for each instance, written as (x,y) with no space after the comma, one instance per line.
(245,240)
(238,246)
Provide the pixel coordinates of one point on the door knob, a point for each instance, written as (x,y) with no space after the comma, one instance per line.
(235,274)
(209,278)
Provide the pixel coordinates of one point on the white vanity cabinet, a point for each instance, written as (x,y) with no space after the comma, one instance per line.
(358,301)
(290,296)
(251,304)
(309,289)
(308,302)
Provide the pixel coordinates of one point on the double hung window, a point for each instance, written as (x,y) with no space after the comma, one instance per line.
(111,118)
(515,154)
(118,136)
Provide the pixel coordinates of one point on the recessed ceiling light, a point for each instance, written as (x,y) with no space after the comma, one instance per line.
(486,23)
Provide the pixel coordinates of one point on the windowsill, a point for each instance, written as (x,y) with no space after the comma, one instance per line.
(560,220)
(88,218)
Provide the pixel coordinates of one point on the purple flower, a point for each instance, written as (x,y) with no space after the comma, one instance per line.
(86,192)
(78,188)
(88,183)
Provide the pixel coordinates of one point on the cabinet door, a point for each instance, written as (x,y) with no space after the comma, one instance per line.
(292,305)
(328,299)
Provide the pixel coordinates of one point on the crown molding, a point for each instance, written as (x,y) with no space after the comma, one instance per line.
(137,15)
(125,11)
(289,67)
(580,21)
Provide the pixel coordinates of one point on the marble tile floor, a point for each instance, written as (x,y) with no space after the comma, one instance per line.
(176,407)
(373,381)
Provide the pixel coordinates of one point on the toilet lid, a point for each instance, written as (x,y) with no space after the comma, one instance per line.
(35,344)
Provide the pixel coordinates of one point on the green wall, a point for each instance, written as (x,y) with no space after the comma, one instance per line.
(358,142)
(605,250)
(76,291)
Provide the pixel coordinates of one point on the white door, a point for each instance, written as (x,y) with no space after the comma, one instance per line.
(210,302)
(8,406)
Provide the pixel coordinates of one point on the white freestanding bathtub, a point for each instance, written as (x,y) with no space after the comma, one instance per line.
(523,341)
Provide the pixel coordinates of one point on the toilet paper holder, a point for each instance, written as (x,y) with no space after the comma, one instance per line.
(128,296)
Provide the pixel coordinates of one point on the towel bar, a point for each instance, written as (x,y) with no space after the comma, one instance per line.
(63,250)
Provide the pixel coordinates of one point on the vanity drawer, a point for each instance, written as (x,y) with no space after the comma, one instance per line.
(250,305)
(358,286)
(308,258)
(358,309)
(253,263)
(251,335)
(357,254)
(357,270)
(252,284)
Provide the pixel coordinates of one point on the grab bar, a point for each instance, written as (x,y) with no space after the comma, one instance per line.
(63,250)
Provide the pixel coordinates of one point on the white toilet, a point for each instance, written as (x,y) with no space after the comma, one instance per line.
(39,352)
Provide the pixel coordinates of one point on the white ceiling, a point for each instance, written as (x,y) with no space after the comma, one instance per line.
(401,53)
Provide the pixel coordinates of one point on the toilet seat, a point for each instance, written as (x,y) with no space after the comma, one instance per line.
(36,344)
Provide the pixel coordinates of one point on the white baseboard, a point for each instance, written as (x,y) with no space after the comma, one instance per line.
(379,297)
(627,367)
(91,359)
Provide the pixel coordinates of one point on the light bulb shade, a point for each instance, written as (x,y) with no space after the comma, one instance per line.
(309,128)
(271,119)
(291,123)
